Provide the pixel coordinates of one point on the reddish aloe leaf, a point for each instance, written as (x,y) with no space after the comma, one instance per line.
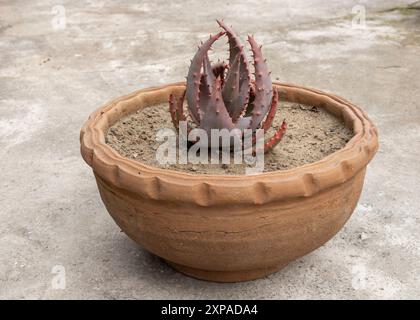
(236,52)
(173,110)
(263,86)
(194,77)
(251,99)
(216,116)
(270,116)
(230,91)
(176,109)
(180,108)
(207,81)
(275,139)
(235,45)
(208,75)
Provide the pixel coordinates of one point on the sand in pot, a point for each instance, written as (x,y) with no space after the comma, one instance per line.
(312,134)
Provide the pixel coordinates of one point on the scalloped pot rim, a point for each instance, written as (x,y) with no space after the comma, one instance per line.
(206,190)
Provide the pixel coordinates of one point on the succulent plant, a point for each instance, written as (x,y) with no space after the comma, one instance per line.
(225,95)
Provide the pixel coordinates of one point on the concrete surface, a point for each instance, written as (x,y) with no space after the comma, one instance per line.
(53,75)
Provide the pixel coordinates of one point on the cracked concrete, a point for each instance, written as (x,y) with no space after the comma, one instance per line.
(52,76)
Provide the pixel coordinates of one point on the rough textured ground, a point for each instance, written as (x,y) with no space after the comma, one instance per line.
(311,135)
(52,78)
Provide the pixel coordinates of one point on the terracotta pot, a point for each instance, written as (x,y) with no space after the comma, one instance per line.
(230,228)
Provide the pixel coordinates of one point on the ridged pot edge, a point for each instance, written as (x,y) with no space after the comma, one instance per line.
(210,190)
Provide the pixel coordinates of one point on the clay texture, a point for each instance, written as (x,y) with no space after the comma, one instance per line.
(230,228)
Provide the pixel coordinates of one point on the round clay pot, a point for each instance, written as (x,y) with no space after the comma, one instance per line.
(230,228)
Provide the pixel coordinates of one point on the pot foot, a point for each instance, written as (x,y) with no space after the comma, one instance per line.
(225,276)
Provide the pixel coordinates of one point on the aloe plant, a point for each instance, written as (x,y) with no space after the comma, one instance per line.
(226,95)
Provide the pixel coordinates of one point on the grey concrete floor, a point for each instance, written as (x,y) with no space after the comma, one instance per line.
(52,75)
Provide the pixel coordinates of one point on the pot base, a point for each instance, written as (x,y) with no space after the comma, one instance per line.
(225,276)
